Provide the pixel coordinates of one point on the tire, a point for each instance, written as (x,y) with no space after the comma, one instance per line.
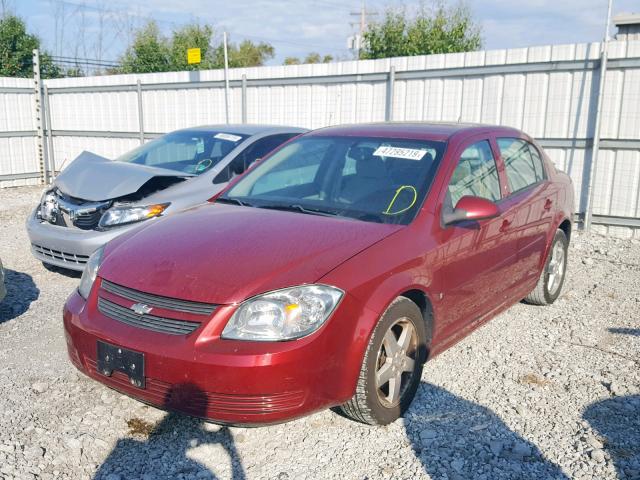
(380,406)
(548,288)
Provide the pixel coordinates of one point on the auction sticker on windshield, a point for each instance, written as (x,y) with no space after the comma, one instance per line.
(227,136)
(399,152)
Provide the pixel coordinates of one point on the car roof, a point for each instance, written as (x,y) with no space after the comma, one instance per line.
(436,131)
(245,129)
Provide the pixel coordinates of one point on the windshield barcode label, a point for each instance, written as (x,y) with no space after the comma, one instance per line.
(398,152)
(227,136)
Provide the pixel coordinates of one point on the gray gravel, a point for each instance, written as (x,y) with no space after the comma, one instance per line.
(536,393)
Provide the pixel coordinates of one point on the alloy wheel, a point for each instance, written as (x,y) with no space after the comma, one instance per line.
(396,362)
(556,268)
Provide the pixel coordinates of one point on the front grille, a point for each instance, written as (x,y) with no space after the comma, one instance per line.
(148,322)
(166,303)
(193,401)
(87,221)
(66,257)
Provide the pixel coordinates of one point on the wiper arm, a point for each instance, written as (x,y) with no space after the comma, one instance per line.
(301,209)
(233,201)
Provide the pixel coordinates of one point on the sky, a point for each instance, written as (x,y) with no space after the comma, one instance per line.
(297,27)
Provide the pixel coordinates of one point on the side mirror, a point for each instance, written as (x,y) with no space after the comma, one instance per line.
(471,208)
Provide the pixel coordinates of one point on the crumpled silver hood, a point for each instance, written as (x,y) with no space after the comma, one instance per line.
(95,178)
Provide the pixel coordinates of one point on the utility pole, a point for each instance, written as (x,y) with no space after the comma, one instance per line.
(356,44)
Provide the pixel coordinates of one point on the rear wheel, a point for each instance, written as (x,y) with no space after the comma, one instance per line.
(553,274)
(392,366)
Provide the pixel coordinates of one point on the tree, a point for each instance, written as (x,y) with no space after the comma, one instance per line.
(191,36)
(16,51)
(152,52)
(436,30)
(149,52)
(246,54)
(312,57)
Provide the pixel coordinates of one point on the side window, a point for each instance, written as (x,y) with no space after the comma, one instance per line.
(522,163)
(476,174)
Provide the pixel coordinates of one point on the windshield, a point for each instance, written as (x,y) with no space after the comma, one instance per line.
(191,152)
(380,180)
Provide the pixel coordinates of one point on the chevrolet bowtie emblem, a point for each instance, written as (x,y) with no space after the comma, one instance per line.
(141,308)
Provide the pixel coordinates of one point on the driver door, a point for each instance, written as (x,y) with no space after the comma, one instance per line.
(476,256)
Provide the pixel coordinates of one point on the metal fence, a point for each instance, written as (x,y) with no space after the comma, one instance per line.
(551,92)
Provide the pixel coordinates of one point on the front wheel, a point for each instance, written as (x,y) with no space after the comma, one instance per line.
(392,366)
(552,276)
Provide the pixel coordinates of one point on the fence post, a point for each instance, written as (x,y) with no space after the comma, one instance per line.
(40,119)
(595,149)
(47,112)
(244,98)
(388,116)
(140,112)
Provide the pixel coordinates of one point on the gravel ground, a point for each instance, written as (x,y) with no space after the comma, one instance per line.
(536,393)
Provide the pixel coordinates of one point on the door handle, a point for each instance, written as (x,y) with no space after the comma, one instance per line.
(505,225)
(548,203)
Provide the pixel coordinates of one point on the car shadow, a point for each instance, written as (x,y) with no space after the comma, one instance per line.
(617,421)
(21,292)
(62,271)
(458,439)
(635,332)
(164,452)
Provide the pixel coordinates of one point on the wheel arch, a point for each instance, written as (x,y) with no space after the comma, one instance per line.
(566,227)
(422,300)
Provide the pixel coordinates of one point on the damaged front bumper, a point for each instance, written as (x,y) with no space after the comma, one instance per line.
(66,247)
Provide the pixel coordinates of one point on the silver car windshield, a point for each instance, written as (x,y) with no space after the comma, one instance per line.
(381,180)
(191,152)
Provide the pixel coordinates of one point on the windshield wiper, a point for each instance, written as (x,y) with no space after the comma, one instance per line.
(233,201)
(301,209)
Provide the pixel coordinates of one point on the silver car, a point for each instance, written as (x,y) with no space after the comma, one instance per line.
(95,199)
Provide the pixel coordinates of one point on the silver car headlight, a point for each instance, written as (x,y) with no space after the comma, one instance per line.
(283,314)
(124,215)
(90,273)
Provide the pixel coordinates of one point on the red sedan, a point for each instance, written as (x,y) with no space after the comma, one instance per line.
(327,275)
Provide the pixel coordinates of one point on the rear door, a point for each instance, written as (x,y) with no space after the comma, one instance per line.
(476,256)
(532,200)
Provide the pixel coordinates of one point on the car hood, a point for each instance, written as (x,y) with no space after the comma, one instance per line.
(224,254)
(95,178)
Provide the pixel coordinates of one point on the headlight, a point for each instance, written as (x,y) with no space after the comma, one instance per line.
(90,272)
(284,314)
(124,215)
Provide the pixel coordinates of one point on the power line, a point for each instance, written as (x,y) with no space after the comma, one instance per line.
(83,59)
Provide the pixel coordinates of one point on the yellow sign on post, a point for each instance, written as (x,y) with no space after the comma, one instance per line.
(193,55)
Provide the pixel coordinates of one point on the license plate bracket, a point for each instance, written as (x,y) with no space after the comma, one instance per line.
(112,358)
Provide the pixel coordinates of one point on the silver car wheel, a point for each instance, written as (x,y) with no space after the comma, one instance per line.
(396,363)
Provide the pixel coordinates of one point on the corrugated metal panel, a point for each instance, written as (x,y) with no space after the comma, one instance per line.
(18,154)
